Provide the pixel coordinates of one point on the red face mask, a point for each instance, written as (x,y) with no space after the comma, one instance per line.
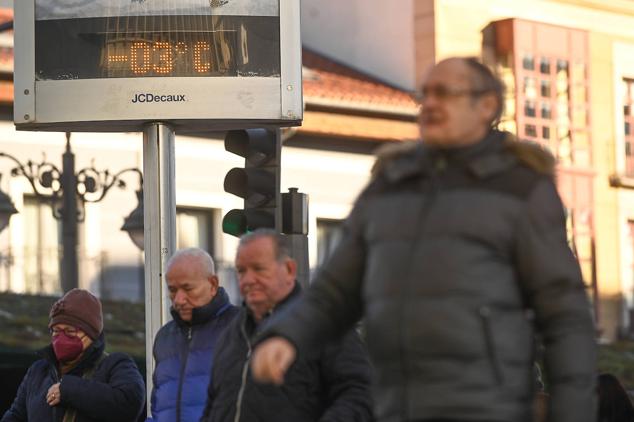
(67,348)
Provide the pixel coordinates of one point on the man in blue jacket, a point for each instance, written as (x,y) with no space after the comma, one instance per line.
(184,347)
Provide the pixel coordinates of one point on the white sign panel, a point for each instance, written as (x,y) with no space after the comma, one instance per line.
(118,64)
(72,9)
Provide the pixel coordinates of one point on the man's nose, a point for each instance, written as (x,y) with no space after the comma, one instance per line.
(246,277)
(179,297)
(428,101)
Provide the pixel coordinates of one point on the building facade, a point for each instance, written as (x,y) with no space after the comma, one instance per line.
(348,114)
(568,67)
(569,70)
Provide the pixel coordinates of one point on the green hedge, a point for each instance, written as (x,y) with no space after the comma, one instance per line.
(618,359)
(24,323)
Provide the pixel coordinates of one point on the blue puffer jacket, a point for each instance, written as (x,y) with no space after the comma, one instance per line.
(183,354)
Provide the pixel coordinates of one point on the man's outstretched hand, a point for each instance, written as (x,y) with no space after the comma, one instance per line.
(271,359)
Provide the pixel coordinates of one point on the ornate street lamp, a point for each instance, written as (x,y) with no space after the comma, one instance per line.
(133,223)
(7,209)
(68,191)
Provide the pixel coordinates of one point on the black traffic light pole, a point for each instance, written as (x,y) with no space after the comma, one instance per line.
(295,227)
(258,183)
(68,179)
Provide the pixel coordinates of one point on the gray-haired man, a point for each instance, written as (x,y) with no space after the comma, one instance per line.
(184,347)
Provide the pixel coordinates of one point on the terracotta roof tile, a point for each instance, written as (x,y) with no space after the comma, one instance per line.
(325,79)
(6,92)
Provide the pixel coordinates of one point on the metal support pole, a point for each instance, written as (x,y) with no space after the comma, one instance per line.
(159,196)
(295,226)
(278,180)
(69,270)
(299,252)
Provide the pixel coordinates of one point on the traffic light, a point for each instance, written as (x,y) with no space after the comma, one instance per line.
(258,183)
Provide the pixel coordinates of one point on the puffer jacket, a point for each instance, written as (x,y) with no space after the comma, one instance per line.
(454,257)
(326,385)
(183,353)
(114,392)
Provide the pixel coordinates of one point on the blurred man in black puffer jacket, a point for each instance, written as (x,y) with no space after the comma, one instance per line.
(454,254)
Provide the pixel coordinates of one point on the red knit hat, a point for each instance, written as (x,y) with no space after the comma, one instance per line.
(80,309)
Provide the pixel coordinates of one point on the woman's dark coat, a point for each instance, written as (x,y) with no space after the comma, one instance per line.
(113,392)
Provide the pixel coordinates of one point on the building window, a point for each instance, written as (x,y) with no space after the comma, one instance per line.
(328,236)
(545,88)
(562,66)
(628,117)
(529,109)
(195,228)
(41,252)
(530,90)
(630,232)
(530,130)
(528,62)
(544,66)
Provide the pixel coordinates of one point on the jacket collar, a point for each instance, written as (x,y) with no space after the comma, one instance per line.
(205,313)
(248,315)
(297,290)
(483,159)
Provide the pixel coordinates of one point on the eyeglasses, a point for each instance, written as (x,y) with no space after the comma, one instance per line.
(443,92)
(70,332)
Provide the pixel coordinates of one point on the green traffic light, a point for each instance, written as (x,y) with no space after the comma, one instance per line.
(235,223)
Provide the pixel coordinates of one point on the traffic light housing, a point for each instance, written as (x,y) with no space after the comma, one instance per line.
(258,183)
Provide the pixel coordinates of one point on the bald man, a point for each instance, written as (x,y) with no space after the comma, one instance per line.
(455,255)
(184,347)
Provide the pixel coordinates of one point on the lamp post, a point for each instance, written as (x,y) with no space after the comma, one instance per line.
(68,192)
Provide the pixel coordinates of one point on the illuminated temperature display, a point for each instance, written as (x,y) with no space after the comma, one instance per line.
(157,46)
(143,58)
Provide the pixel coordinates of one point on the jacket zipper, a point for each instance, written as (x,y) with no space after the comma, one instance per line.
(439,165)
(245,371)
(180,380)
(57,379)
(485,315)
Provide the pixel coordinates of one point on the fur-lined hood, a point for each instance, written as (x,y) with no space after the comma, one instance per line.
(530,154)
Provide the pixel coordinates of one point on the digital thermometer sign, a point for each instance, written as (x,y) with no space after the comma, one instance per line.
(116,65)
(159,58)
(146,46)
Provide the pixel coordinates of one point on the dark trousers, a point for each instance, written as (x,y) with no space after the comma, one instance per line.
(440,420)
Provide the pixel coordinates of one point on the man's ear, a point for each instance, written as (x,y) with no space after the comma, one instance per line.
(291,268)
(488,106)
(213,280)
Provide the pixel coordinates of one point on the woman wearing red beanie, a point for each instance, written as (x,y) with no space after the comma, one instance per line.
(76,381)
